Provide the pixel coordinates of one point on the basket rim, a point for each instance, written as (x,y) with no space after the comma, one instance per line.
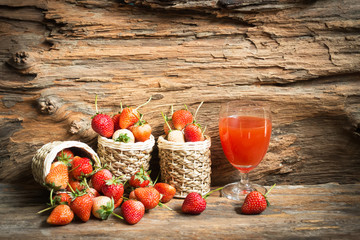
(127,146)
(165,144)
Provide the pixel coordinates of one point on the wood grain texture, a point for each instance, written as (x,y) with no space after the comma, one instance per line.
(301,57)
(318,212)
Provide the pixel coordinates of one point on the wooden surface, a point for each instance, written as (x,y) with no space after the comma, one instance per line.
(300,57)
(326,211)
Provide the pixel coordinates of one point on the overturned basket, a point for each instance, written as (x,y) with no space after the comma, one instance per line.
(45,156)
(125,159)
(186,166)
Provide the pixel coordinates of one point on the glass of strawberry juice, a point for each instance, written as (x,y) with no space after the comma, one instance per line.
(245,130)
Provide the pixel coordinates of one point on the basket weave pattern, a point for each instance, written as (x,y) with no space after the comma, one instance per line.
(125,159)
(45,156)
(186,166)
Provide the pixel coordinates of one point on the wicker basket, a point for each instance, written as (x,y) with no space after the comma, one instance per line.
(186,166)
(125,159)
(44,157)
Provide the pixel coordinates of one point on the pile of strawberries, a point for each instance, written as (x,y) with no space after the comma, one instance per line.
(127,126)
(183,127)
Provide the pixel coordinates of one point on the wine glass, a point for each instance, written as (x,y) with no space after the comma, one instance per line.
(245,130)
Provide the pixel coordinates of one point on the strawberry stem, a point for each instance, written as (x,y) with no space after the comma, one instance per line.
(270,189)
(143,104)
(163,205)
(116,215)
(208,194)
(96,108)
(198,109)
(166,121)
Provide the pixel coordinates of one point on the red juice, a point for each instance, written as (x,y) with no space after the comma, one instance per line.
(245,140)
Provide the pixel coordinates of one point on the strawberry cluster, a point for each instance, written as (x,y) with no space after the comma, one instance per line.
(183,127)
(127,126)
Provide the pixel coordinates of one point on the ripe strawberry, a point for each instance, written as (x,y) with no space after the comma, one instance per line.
(99,178)
(58,176)
(93,193)
(61,215)
(181,118)
(140,179)
(118,203)
(116,120)
(128,117)
(75,185)
(113,188)
(194,203)
(123,135)
(149,196)
(81,167)
(132,211)
(62,198)
(166,190)
(193,133)
(65,156)
(255,202)
(102,123)
(82,205)
(141,131)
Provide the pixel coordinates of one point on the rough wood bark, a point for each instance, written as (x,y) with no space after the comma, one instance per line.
(301,57)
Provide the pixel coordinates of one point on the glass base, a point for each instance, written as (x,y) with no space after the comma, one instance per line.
(238,191)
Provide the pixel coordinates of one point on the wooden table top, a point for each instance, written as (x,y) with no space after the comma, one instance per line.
(312,211)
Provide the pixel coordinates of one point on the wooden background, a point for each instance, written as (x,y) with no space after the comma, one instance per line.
(302,57)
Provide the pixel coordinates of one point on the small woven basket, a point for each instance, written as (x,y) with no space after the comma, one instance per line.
(45,156)
(125,159)
(186,166)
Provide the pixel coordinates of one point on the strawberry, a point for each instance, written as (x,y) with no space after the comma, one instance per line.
(58,176)
(113,188)
(62,198)
(140,179)
(61,215)
(102,123)
(176,136)
(65,156)
(99,178)
(116,120)
(132,211)
(75,185)
(123,135)
(128,117)
(149,196)
(93,193)
(82,205)
(141,131)
(255,202)
(81,167)
(194,203)
(181,118)
(102,207)
(166,190)
(193,133)
(118,203)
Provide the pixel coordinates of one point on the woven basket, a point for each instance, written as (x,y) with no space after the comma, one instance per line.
(186,166)
(125,159)
(45,156)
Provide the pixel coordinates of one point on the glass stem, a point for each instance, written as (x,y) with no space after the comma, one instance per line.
(244,182)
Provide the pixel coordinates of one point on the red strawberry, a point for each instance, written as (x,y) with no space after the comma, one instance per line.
(118,203)
(166,190)
(140,179)
(132,211)
(132,195)
(82,205)
(194,203)
(61,198)
(61,215)
(81,167)
(102,123)
(149,196)
(141,131)
(113,188)
(128,117)
(75,185)
(99,178)
(58,176)
(65,156)
(93,193)
(193,133)
(181,118)
(116,120)
(255,202)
